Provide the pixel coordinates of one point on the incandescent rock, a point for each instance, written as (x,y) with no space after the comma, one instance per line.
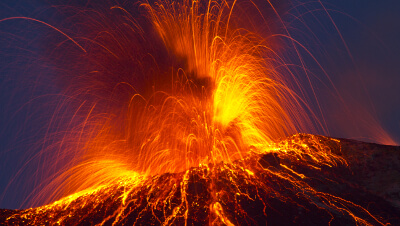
(305,179)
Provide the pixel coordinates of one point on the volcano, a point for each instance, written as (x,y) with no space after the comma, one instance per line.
(285,187)
(179,112)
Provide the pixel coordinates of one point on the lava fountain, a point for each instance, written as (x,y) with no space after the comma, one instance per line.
(182,93)
(201,91)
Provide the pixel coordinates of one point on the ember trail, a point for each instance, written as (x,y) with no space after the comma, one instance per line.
(183,112)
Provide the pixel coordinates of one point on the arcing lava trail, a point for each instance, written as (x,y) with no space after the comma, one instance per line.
(182,116)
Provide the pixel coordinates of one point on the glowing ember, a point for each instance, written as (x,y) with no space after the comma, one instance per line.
(288,186)
(221,99)
(196,141)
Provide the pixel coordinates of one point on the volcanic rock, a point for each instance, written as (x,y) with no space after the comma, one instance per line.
(305,180)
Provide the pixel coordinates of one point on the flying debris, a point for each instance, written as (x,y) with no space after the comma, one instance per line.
(183,117)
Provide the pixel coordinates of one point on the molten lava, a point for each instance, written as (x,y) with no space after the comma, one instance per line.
(295,184)
(208,93)
(196,135)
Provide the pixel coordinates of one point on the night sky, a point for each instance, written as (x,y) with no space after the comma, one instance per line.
(367,79)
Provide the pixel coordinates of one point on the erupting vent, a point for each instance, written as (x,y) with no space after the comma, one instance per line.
(182,117)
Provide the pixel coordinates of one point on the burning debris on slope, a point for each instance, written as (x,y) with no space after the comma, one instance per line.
(287,185)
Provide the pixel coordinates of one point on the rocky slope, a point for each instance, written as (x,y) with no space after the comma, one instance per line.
(305,180)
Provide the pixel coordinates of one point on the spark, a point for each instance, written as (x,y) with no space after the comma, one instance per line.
(219,121)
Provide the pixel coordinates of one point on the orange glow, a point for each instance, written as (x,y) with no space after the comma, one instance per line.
(226,102)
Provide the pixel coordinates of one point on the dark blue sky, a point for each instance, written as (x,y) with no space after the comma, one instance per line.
(368,80)
(371,30)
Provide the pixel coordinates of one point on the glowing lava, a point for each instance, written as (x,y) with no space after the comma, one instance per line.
(288,186)
(216,98)
(192,136)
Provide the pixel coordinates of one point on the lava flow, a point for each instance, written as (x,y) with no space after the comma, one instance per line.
(183,121)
